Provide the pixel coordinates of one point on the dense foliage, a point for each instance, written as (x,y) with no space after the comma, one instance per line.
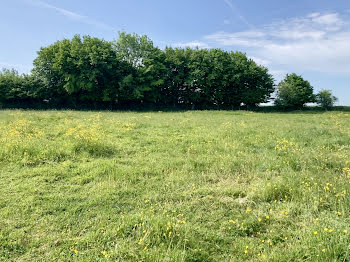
(325,99)
(19,89)
(90,72)
(81,70)
(294,92)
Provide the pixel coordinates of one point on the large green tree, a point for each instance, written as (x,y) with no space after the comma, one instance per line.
(147,61)
(325,99)
(81,70)
(294,92)
(174,91)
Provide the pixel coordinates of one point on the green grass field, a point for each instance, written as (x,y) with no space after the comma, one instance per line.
(182,186)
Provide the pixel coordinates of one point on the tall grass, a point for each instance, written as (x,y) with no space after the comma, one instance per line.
(184,186)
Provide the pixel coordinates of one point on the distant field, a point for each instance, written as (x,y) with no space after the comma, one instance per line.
(184,186)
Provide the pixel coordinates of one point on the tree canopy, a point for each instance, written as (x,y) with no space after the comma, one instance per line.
(325,99)
(294,92)
(131,71)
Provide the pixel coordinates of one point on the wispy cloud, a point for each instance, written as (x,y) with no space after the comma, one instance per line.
(316,42)
(247,38)
(236,11)
(278,74)
(327,19)
(193,44)
(260,61)
(71,15)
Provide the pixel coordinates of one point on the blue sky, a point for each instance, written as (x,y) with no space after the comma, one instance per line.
(308,37)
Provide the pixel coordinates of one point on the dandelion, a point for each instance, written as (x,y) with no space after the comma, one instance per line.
(323,250)
(104,253)
(284,212)
(259,219)
(315,233)
(246,250)
(248,210)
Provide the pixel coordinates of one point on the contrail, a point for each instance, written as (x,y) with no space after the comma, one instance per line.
(238,14)
(72,15)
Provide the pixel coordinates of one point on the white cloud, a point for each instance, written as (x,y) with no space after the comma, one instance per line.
(248,38)
(296,34)
(70,14)
(316,42)
(314,14)
(193,44)
(327,19)
(278,74)
(260,61)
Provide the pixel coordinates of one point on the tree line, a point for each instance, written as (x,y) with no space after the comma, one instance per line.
(129,73)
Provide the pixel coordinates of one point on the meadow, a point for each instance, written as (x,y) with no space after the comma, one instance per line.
(174,186)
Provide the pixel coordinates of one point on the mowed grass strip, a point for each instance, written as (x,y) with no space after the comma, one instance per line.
(182,186)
